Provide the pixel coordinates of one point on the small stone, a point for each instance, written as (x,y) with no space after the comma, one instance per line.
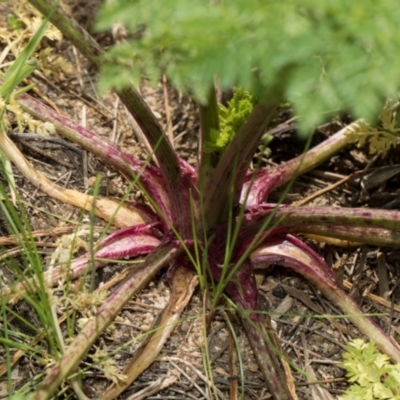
(185,326)
(157,114)
(274,325)
(253,367)
(220,371)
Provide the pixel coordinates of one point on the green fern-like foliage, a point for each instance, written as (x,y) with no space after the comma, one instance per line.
(379,139)
(372,374)
(323,55)
(231,118)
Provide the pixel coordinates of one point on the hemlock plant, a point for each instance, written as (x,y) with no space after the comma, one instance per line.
(213,220)
(372,375)
(230,119)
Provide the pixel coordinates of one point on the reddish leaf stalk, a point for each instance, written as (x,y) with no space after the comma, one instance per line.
(267,180)
(291,252)
(242,289)
(128,242)
(290,216)
(209,120)
(373,236)
(266,355)
(149,176)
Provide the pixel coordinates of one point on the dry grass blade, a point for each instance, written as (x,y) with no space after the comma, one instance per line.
(305,299)
(317,392)
(233,370)
(379,300)
(191,381)
(203,377)
(155,387)
(183,284)
(10,240)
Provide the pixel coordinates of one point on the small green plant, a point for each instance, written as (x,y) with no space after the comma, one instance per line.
(373,376)
(379,139)
(231,118)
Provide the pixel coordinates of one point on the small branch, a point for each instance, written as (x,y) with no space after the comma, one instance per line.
(154,388)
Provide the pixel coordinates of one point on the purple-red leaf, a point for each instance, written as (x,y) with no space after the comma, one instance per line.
(291,252)
(149,176)
(242,290)
(289,216)
(257,188)
(127,242)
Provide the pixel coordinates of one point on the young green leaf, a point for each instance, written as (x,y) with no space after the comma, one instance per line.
(231,118)
(373,375)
